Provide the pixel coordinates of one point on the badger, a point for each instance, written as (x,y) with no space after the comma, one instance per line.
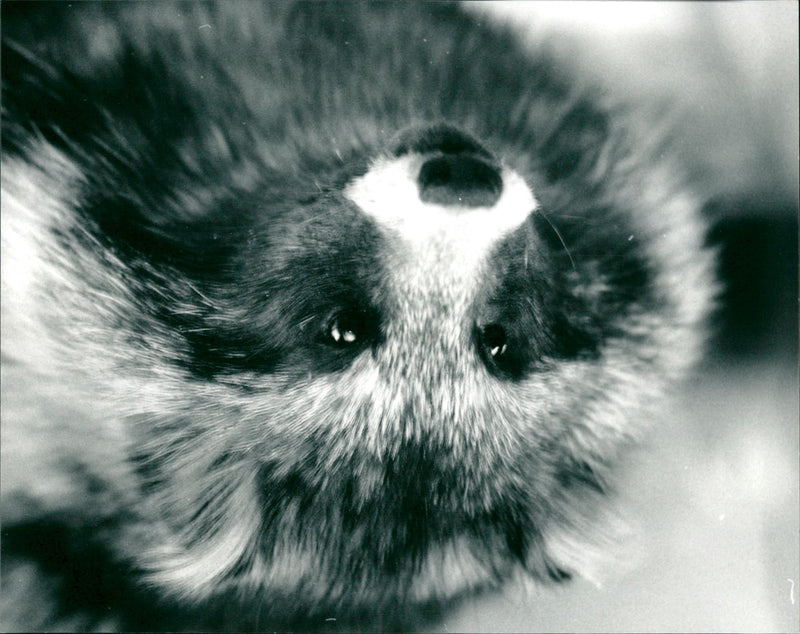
(319,313)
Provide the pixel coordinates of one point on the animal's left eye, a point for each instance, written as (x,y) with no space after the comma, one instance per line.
(500,350)
(349,327)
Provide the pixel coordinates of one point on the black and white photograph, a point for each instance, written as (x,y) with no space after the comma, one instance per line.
(346,316)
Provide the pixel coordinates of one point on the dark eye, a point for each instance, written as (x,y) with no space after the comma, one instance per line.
(350,328)
(494,340)
(497,350)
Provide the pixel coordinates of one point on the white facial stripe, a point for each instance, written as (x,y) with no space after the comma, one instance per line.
(389,194)
(437,251)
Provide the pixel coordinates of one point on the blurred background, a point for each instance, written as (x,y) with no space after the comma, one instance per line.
(715,493)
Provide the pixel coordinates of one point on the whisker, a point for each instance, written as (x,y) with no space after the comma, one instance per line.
(560,237)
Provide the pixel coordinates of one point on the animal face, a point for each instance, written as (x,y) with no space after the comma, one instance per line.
(357,308)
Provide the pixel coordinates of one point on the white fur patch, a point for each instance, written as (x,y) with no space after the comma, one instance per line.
(389,194)
(439,249)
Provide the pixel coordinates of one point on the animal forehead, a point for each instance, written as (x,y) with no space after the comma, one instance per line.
(389,193)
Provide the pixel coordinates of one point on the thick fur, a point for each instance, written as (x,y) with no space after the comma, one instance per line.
(192,435)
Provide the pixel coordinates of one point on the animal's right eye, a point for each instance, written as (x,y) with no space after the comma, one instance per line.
(349,328)
(493,338)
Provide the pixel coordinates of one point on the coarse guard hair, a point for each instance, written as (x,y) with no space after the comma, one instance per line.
(318,310)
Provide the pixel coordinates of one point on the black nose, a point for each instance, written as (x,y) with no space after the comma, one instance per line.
(460,171)
(459,180)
